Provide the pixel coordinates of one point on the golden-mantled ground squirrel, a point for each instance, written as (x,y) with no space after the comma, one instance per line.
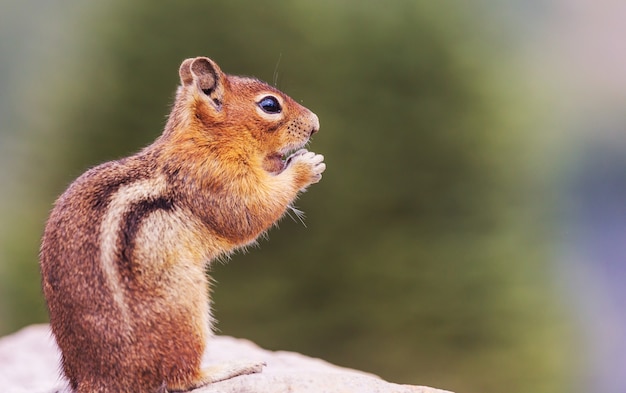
(125,249)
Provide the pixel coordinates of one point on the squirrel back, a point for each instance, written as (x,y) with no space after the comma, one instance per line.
(126,246)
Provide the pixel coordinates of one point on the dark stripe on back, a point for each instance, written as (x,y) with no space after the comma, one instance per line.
(106,179)
(130,224)
(72,231)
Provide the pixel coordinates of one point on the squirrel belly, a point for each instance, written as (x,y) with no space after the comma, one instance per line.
(125,249)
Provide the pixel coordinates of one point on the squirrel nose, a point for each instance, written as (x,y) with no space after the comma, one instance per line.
(315,123)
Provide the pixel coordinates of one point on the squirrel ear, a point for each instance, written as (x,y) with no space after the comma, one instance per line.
(185,72)
(206,75)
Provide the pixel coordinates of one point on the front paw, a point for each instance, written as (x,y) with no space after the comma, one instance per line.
(311,164)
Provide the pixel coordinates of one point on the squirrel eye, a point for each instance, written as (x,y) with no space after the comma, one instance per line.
(270,104)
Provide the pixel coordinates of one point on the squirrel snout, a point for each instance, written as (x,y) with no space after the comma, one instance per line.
(315,123)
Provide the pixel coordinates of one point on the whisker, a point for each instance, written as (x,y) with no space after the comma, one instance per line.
(298,213)
(280,55)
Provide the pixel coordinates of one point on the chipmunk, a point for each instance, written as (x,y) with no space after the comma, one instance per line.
(125,250)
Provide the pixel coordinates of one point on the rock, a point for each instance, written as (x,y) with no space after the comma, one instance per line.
(29,362)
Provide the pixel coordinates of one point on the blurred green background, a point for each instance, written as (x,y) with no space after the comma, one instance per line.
(426,255)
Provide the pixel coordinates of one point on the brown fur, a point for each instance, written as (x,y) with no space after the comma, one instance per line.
(124,252)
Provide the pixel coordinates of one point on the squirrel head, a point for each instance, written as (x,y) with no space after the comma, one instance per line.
(254,120)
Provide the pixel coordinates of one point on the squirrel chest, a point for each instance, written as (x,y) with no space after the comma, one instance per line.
(125,248)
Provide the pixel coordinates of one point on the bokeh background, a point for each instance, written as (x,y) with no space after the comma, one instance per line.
(470,230)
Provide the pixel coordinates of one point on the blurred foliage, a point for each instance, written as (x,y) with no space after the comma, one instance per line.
(422,257)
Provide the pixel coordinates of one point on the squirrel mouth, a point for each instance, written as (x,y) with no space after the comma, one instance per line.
(275,163)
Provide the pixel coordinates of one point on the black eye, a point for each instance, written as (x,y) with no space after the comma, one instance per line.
(270,104)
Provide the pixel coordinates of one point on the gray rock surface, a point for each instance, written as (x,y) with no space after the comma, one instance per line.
(29,362)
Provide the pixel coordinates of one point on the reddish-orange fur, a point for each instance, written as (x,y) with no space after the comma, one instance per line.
(124,251)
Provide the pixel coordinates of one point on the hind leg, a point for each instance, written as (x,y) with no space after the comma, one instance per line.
(219,373)
(230,370)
